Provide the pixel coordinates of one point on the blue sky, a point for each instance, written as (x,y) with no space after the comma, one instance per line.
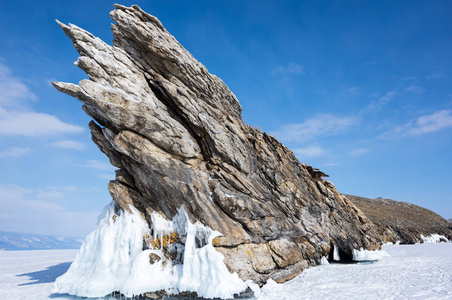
(360,89)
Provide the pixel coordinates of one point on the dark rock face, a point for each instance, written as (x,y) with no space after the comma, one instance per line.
(175,133)
(401,221)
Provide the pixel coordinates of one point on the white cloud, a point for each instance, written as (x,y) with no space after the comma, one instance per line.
(435,75)
(331,165)
(387,97)
(14,152)
(431,123)
(290,68)
(311,151)
(13,199)
(70,188)
(53,192)
(358,151)
(107,176)
(415,89)
(25,210)
(380,103)
(33,124)
(99,165)
(319,125)
(49,194)
(12,90)
(69,144)
(424,124)
(16,119)
(353,91)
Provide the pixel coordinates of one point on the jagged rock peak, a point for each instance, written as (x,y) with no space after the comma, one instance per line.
(175,133)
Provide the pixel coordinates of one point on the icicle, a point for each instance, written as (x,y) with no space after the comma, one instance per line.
(113,258)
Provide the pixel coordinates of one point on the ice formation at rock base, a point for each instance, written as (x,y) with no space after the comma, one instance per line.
(124,254)
(434,238)
(117,257)
(366,255)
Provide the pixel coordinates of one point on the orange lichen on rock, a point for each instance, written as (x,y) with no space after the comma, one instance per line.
(161,242)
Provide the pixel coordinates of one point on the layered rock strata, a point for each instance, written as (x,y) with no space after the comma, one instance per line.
(402,222)
(176,135)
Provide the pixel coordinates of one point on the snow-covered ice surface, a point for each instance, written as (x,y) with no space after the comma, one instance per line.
(411,272)
(29,274)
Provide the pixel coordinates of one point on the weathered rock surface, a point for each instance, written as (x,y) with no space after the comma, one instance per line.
(175,133)
(401,221)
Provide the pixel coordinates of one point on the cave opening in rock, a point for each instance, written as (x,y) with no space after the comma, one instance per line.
(339,255)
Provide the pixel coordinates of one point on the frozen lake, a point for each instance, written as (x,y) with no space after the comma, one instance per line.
(412,272)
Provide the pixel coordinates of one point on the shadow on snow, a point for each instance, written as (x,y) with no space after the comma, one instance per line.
(45,276)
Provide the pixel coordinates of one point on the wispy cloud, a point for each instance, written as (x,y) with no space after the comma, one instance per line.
(376,106)
(53,192)
(424,124)
(40,216)
(99,165)
(333,164)
(319,125)
(69,144)
(14,195)
(33,124)
(290,68)
(414,89)
(13,92)
(49,194)
(435,75)
(311,151)
(16,119)
(106,176)
(352,91)
(14,152)
(358,151)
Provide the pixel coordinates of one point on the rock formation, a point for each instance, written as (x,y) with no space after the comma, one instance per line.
(176,135)
(402,222)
